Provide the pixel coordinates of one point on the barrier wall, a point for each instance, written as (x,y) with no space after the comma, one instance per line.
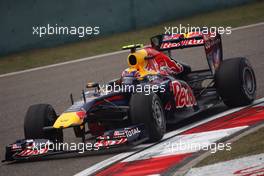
(112,16)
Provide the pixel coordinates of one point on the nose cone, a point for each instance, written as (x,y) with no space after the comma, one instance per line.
(68,119)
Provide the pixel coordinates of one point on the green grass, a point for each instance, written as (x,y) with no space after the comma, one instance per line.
(248,145)
(242,15)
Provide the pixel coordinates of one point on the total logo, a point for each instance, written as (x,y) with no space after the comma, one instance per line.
(132,132)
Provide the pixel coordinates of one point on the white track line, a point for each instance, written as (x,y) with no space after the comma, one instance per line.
(95,168)
(248,26)
(63,63)
(101,55)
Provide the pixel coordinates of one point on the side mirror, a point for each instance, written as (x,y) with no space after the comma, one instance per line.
(92,84)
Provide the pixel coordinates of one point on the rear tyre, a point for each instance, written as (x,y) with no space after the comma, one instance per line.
(148,109)
(236,82)
(37,117)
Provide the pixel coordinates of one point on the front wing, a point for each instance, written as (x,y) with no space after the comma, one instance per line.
(27,149)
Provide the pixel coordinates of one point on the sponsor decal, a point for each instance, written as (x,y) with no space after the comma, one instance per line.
(164,65)
(179,36)
(31,152)
(189,42)
(183,96)
(108,143)
(15,146)
(192,42)
(170,45)
(118,134)
(193,34)
(132,132)
(171,37)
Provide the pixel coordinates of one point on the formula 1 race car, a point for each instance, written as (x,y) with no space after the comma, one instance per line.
(153,91)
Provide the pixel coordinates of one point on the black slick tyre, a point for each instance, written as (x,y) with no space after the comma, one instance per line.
(236,82)
(37,117)
(148,109)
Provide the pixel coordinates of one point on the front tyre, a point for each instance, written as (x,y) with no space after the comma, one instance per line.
(37,117)
(148,109)
(236,82)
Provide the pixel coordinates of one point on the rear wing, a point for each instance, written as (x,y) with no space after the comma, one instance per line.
(212,45)
(169,42)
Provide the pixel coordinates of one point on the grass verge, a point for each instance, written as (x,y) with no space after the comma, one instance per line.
(242,15)
(250,144)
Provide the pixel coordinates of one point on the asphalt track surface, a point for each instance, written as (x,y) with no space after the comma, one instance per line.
(53,85)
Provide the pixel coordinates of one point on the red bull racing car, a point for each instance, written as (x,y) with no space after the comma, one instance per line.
(155,90)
